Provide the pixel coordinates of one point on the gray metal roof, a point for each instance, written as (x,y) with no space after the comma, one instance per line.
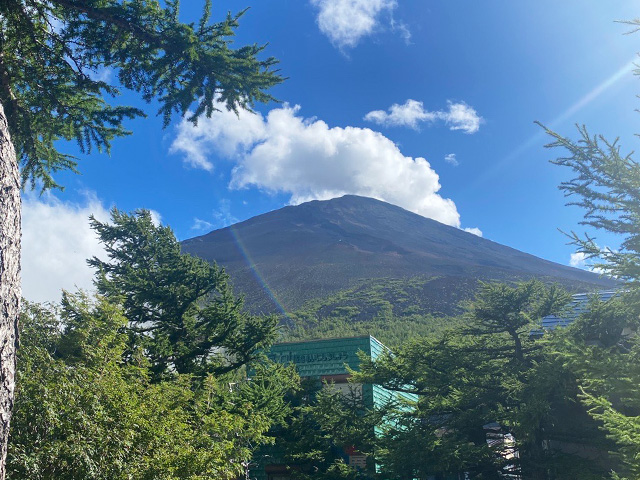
(578,306)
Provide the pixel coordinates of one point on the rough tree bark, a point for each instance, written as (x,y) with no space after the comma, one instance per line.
(10,290)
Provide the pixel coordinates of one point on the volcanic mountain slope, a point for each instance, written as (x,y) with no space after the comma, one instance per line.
(299,253)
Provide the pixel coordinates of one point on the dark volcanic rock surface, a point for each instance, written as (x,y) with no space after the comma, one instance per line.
(308,251)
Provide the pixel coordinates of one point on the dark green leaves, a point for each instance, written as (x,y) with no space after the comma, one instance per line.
(52,54)
(606,184)
(488,379)
(180,308)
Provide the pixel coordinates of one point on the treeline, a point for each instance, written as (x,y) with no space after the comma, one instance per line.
(499,400)
(496,399)
(392,310)
(391,330)
(162,376)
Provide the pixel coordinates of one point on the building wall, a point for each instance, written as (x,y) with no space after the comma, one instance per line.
(330,360)
(318,358)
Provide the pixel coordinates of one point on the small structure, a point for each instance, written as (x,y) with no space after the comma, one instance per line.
(327,360)
(579,305)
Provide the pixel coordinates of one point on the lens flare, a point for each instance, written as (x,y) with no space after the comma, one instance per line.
(256,271)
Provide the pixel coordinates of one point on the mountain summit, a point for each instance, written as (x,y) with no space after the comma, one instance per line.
(282,259)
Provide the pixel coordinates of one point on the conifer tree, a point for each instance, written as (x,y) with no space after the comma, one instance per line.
(180,309)
(606,185)
(323,425)
(49,53)
(494,400)
(605,346)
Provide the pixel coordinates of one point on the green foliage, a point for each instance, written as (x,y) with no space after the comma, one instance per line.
(51,52)
(603,350)
(83,413)
(604,345)
(622,428)
(375,297)
(391,331)
(180,309)
(146,381)
(607,186)
(415,448)
(323,424)
(508,314)
(491,372)
(392,310)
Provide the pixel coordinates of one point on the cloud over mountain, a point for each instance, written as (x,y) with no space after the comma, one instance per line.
(306,158)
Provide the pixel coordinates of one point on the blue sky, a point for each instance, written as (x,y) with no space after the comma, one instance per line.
(428,105)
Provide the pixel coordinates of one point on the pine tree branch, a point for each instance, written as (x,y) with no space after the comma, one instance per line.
(111,15)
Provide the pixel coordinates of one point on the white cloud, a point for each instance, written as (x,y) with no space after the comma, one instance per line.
(199,224)
(402,29)
(406,115)
(156,218)
(223,215)
(474,230)
(578,260)
(222,131)
(345,22)
(458,116)
(462,117)
(308,160)
(451,159)
(56,243)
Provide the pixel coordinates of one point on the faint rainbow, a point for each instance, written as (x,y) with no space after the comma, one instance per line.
(254,269)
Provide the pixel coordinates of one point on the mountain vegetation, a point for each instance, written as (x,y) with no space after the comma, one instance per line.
(494,399)
(606,184)
(180,309)
(492,379)
(392,310)
(498,399)
(163,374)
(310,442)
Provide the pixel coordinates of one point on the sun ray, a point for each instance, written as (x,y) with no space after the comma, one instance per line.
(538,137)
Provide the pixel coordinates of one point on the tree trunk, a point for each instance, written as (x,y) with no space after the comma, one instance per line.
(10,291)
(517,343)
